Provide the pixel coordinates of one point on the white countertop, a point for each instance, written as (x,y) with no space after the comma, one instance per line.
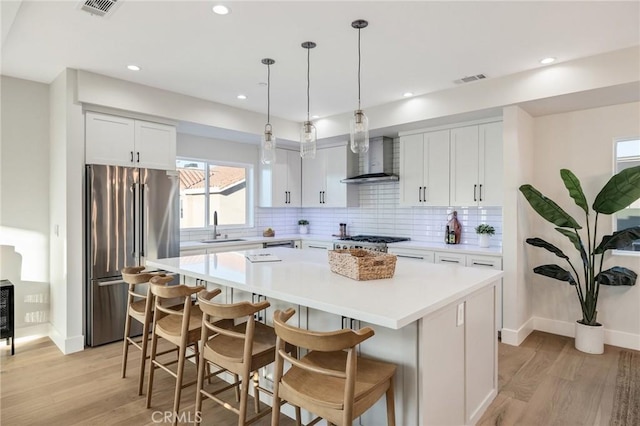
(303,277)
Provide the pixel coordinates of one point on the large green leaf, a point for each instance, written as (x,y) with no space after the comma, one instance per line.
(577,243)
(618,240)
(539,242)
(572,184)
(554,271)
(622,189)
(617,276)
(547,208)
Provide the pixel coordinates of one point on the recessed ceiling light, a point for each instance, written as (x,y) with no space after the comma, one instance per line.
(133,67)
(243,97)
(315,116)
(546,61)
(407,94)
(220,9)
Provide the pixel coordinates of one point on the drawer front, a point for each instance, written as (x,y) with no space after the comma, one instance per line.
(450,258)
(415,254)
(484,262)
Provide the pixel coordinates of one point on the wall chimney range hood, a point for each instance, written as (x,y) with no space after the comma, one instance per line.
(378,166)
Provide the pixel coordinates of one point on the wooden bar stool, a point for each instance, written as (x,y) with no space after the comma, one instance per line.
(331,381)
(240,350)
(139,308)
(181,327)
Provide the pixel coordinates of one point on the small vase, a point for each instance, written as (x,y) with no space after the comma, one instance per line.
(589,338)
(303,229)
(483,240)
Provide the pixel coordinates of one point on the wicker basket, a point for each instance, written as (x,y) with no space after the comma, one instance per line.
(361,264)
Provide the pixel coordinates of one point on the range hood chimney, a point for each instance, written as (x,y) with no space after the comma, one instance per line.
(378,166)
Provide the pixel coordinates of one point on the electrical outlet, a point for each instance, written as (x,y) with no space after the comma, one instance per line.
(460,316)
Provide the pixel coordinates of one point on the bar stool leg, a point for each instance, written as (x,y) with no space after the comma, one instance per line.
(125,348)
(143,356)
(178,392)
(256,391)
(204,365)
(152,367)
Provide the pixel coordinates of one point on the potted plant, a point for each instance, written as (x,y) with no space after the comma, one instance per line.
(303,226)
(484,231)
(619,192)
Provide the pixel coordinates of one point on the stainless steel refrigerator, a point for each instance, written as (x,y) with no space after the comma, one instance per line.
(131,215)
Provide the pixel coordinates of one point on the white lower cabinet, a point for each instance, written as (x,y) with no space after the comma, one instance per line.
(457,345)
(411,253)
(317,244)
(451,258)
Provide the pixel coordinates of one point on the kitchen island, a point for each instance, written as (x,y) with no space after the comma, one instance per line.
(436,322)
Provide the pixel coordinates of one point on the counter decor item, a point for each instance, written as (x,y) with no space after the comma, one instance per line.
(269,232)
(454,230)
(362,265)
(484,232)
(303,226)
(620,191)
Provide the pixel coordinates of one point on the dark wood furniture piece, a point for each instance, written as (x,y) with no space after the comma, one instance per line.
(7,321)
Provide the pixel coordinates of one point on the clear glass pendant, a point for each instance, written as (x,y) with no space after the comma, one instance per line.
(359,132)
(308,138)
(268,146)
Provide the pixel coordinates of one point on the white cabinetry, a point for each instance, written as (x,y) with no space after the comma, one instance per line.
(317,244)
(476,165)
(280,182)
(457,344)
(321,186)
(121,141)
(424,169)
(411,253)
(450,258)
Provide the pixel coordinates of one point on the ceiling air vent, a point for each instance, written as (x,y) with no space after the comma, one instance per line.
(469,79)
(98,7)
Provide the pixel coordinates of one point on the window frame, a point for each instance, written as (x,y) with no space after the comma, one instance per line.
(614,217)
(249,193)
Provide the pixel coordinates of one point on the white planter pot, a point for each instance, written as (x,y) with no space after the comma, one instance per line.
(590,338)
(303,229)
(483,240)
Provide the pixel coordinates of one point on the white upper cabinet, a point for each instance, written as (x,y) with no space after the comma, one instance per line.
(476,165)
(280,182)
(321,176)
(424,169)
(121,141)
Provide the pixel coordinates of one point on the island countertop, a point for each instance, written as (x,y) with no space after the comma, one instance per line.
(304,277)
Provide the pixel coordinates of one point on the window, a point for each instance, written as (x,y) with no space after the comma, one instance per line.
(207,187)
(628,155)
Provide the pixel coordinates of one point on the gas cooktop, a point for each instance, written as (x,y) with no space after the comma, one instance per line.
(375,239)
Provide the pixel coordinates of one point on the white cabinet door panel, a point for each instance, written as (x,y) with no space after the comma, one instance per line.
(411,169)
(436,174)
(109,140)
(155,146)
(490,165)
(464,166)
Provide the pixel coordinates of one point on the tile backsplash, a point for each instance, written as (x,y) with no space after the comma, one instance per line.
(379,213)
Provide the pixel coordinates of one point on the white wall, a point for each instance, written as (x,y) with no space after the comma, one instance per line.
(66,214)
(24,201)
(518,169)
(582,141)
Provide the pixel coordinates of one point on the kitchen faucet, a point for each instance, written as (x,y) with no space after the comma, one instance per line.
(215,225)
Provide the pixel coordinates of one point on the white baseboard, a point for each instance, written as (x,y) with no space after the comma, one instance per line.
(516,337)
(67,345)
(611,337)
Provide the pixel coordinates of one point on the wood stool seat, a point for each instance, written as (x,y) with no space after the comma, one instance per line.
(331,381)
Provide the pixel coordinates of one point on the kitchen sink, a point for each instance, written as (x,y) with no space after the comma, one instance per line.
(221,240)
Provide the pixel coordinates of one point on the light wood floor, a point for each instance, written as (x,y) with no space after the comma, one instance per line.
(545,381)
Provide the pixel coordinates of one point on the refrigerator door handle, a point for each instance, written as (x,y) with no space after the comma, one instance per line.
(133,218)
(108,283)
(143,212)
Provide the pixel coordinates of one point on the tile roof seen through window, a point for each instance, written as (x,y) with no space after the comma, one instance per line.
(220,177)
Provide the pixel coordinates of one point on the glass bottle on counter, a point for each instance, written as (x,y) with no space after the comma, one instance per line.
(454,229)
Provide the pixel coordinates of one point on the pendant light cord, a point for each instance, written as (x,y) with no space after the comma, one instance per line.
(268,94)
(359,59)
(308,79)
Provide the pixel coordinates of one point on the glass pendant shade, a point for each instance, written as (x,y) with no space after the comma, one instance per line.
(268,146)
(308,138)
(359,132)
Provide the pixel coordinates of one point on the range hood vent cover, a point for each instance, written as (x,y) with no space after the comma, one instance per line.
(98,7)
(378,166)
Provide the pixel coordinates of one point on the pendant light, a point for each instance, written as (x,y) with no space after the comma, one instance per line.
(359,129)
(308,135)
(268,143)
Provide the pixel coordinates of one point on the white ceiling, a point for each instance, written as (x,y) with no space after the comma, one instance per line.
(412,46)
